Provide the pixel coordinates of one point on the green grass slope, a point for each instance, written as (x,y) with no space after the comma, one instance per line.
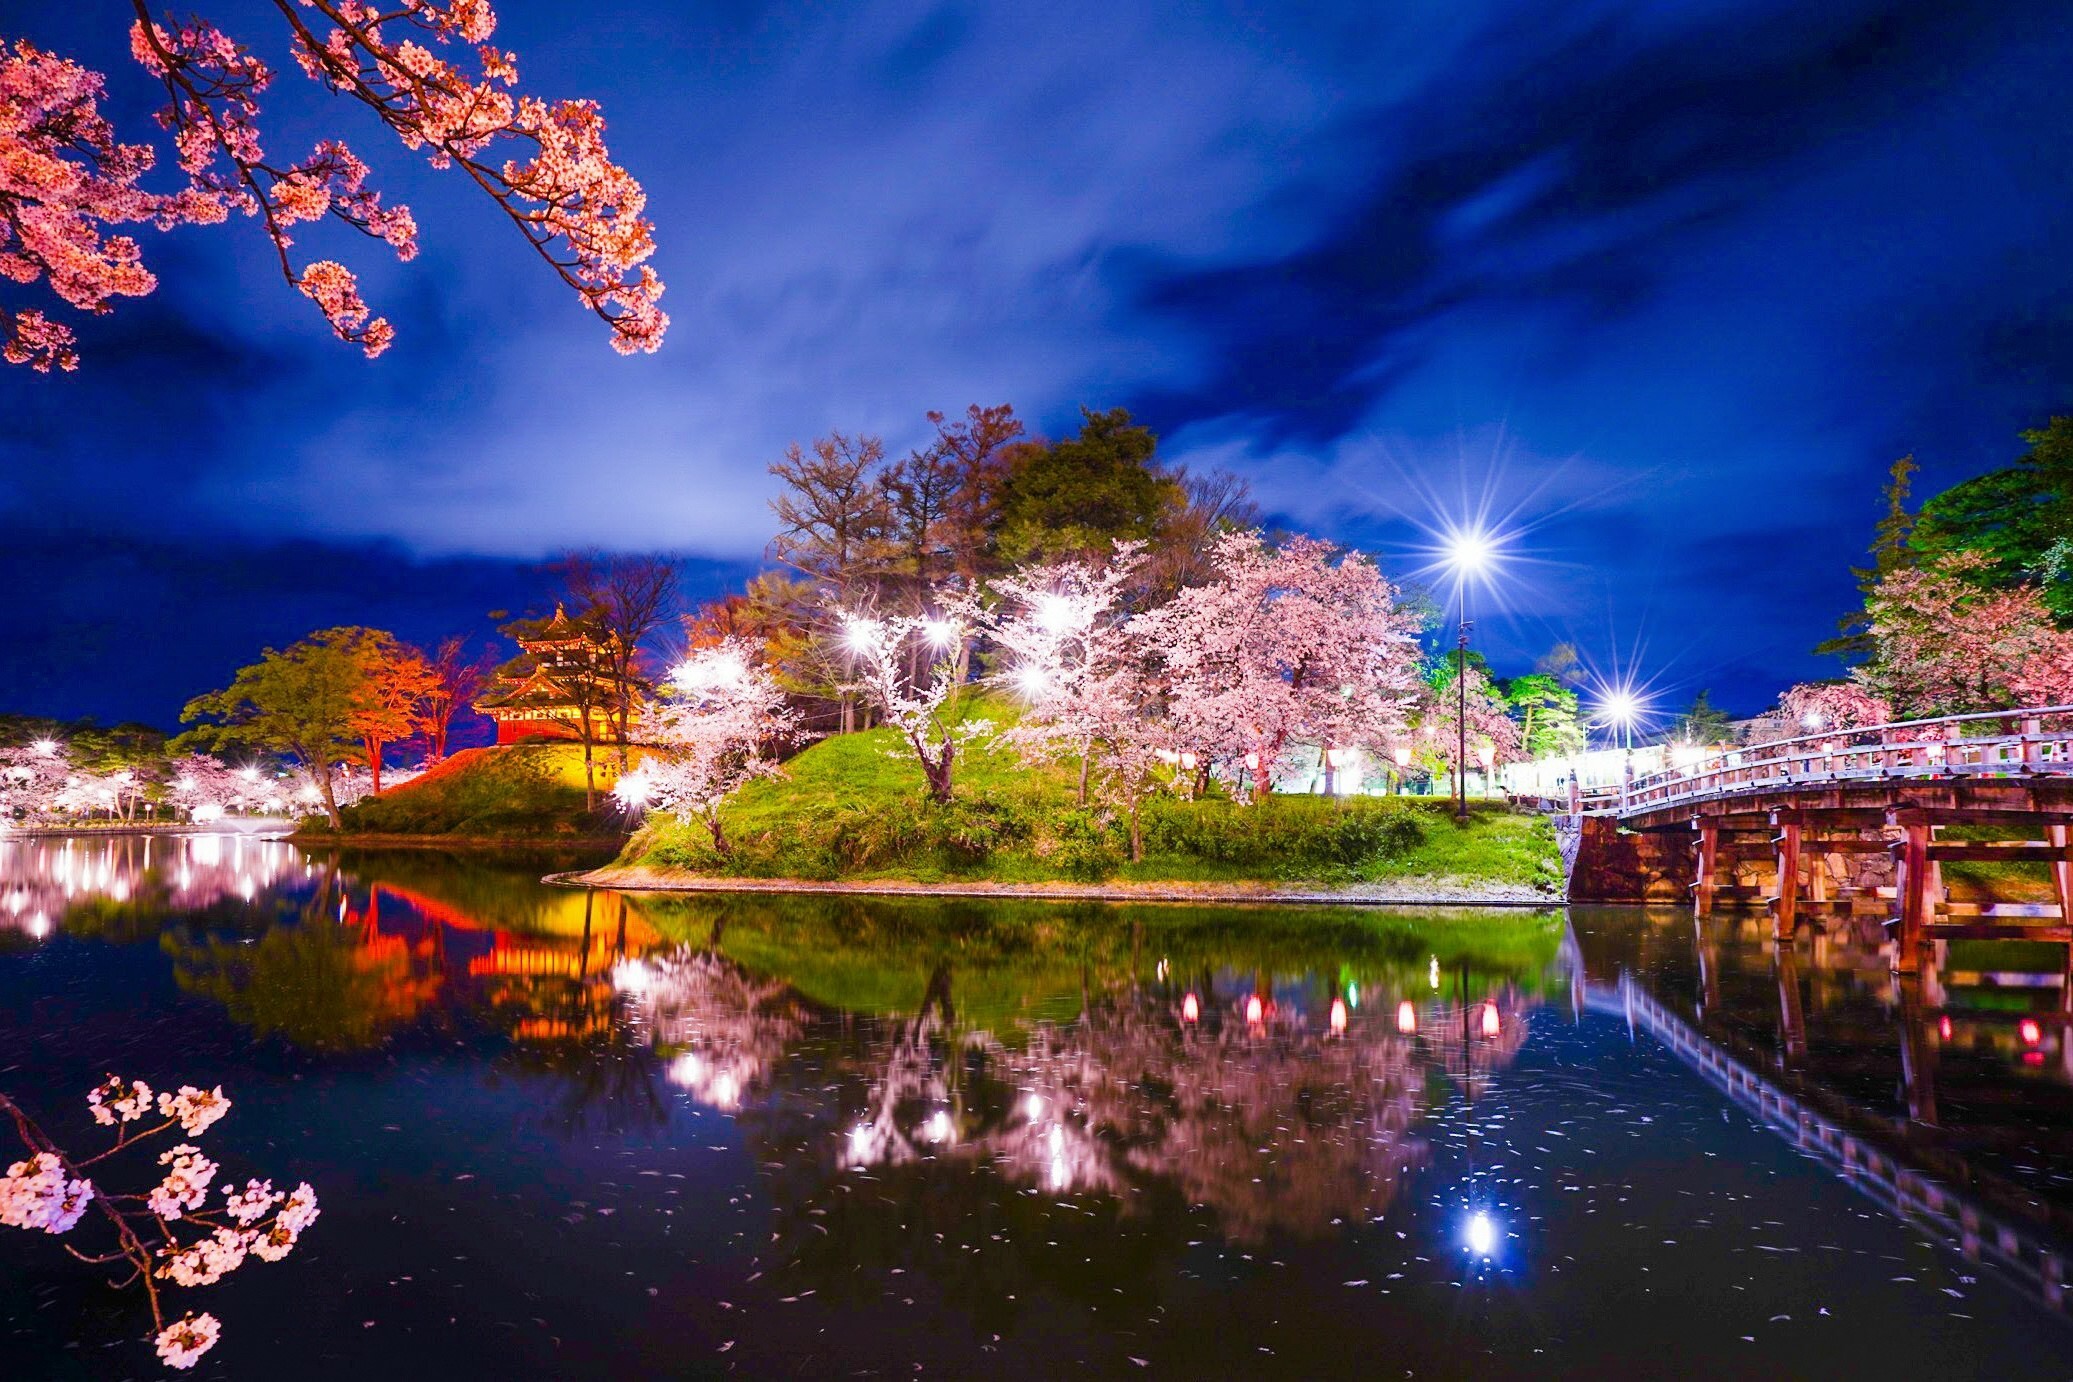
(531,792)
(854,807)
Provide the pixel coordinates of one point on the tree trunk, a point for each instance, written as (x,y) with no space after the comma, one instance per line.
(1136,835)
(589,764)
(712,823)
(624,714)
(1086,752)
(323,774)
(374,748)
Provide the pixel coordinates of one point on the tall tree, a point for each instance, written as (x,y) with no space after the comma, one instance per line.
(1550,725)
(983,446)
(1074,499)
(1703,722)
(457,678)
(1890,552)
(298,701)
(2014,517)
(1212,503)
(428,73)
(834,526)
(396,682)
(627,598)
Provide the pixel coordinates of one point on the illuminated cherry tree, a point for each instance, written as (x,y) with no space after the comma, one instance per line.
(1944,645)
(169,1235)
(1072,655)
(428,72)
(713,736)
(31,777)
(1288,644)
(1814,707)
(1492,731)
(206,788)
(920,708)
(2046,675)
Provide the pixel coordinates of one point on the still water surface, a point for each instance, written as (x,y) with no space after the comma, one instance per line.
(566,1134)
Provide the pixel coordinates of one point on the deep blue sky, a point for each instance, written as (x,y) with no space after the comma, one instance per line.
(1665,286)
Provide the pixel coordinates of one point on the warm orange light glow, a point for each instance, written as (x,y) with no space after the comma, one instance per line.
(1943,1027)
(1255,1010)
(1191,1009)
(1338,1017)
(1490,1020)
(1407,1017)
(2030,1031)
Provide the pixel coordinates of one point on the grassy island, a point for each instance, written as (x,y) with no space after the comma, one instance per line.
(515,793)
(854,809)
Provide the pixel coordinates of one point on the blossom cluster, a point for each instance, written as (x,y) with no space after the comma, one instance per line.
(38,1194)
(182,1343)
(186,1185)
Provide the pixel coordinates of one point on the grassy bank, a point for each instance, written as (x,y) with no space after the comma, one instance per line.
(520,792)
(850,809)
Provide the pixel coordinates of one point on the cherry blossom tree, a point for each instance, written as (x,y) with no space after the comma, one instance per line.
(1070,652)
(2046,675)
(1945,645)
(1491,728)
(1291,644)
(168,1234)
(920,709)
(1815,706)
(427,71)
(31,777)
(205,787)
(712,736)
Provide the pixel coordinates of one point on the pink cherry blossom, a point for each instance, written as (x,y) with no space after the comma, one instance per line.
(1289,644)
(1945,644)
(37,1194)
(425,70)
(182,1343)
(714,731)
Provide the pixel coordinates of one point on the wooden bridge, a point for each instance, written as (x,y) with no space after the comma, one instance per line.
(1862,821)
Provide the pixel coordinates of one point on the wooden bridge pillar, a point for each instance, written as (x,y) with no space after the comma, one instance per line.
(1792,1019)
(2060,838)
(1786,920)
(1709,865)
(1918,1051)
(1911,892)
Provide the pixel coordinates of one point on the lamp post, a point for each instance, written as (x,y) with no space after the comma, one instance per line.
(1469,553)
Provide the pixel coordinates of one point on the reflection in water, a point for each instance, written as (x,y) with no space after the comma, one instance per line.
(1017,1101)
(45,881)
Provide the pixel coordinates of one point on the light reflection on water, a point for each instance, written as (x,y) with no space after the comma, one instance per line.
(828,1132)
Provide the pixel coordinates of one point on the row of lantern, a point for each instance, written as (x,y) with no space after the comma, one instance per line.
(1487,1022)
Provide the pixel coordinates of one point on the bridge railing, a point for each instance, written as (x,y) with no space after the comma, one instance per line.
(1995,743)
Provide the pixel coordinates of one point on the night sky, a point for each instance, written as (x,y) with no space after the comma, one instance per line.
(1661,287)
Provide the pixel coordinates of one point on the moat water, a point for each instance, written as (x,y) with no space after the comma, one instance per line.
(567,1134)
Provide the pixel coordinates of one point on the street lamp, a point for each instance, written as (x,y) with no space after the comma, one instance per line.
(1620,710)
(1469,554)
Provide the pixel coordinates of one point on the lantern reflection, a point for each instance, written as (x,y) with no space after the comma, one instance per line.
(1407,1017)
(1338,1017)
